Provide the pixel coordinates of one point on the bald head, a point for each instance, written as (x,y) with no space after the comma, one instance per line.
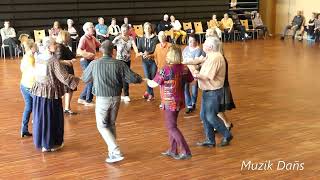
(106,48)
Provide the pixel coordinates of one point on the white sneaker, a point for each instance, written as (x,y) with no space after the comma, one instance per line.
(81,101)
(88,104)
(45,150)
(114,158)
(126,99)
(122,98)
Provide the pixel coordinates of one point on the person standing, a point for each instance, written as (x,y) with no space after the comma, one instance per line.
(192,51)
(124,43)
(27,80)
(211,79)
(146,47)
(50,78)
(171,79)
(107,75)
(87,49)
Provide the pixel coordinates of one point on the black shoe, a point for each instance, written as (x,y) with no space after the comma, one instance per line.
(206,144)
(69,112)
(27,134)
(225,141)
(194,107)
(188,110)
(282,38)
(182,156)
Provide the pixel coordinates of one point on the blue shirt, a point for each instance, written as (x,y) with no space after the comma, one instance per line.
(103,29)
(191,53)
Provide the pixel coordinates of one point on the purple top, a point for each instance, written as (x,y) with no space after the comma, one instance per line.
(171,79)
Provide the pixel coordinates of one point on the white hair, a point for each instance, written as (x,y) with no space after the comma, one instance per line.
(86,26)
(162,34)
(213,44)
(47,41)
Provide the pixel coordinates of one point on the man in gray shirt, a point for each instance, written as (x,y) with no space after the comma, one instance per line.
(108,75)
(295,25)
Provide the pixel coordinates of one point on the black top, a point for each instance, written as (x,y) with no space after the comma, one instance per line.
(64,53)
(164,26)
(147,44)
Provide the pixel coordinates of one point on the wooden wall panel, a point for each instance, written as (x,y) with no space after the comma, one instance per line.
(40,14)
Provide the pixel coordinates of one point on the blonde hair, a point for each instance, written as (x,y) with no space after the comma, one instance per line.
(174,55)
(29,44)
(63,37)
(211,33)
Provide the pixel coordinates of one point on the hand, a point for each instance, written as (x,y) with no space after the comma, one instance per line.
(73,60)
(91,56)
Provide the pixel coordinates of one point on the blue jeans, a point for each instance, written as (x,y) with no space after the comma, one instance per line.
(209,114)
(86,94)
(27,97)
(190,99)
(150,70)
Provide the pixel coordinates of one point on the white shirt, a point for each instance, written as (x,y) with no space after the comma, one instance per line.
(176,25)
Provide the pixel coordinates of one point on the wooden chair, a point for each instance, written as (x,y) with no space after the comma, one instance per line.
(39,35)
(245,23)
(187,26)
(199,30)
(138,29)
(3,50)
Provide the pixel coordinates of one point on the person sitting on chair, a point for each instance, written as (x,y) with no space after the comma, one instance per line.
(295,25)
(114,29)
(101,30)
(214,24)
(317,28)
(164,24)
(177,32)
(310,26)
(9,38)
(227,26)
(54,31)
(258,24)
(239,27)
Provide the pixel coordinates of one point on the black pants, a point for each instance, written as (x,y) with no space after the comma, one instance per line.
(241,29)
(125,84)
(12,43)
(227,35)
(263,28)
(317,35)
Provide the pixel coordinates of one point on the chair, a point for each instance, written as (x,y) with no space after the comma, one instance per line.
(138,29)
(39,35)
(245,23)
(3,50)
(187,26)
(199,30)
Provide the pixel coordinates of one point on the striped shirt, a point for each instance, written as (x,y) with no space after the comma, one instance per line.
(108,75)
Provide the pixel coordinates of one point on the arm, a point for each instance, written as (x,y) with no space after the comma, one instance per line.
(87,74)
(62,75)
(13,33)
(129,75)
(134,46)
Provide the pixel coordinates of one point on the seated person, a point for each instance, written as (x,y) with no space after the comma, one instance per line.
(214,24)
(227,26)
(177,32)
(237,25)
(295,25)
(54,31)
(131,32)
(317,28)
(258,24)
(311,26)
(114,29)
(101,30)
(8,35)
(165,24)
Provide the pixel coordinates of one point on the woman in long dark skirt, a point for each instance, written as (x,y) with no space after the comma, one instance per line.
(50,78)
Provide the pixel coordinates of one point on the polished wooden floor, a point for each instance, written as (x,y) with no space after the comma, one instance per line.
(276,88)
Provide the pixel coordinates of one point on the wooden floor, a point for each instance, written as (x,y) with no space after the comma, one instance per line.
(276,88)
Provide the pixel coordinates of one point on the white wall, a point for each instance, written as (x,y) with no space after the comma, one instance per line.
(287,9)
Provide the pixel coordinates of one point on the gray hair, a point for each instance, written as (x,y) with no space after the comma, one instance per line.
(213,44)
(106,48)
(125,26)
(162,34)
(86,26)
(47,41)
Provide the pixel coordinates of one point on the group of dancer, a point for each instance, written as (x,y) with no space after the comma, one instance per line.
(48,75)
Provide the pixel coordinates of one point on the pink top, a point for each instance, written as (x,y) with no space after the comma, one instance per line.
(171,79)
(89,44)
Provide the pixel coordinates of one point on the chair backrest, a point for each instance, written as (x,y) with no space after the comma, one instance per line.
(245,23)
(39,35)
(187,26)
(198,27)
(138,29)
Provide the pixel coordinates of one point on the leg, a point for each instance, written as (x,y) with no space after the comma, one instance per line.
(208,128)
(184,35)
(125,84)
(67,100)
(187,95)
(153,71)
(83,63)
(285,31)
(194,89)
(104,106)
(146,70)
(27,108)
(175,133)
(224,118)
(177,34)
